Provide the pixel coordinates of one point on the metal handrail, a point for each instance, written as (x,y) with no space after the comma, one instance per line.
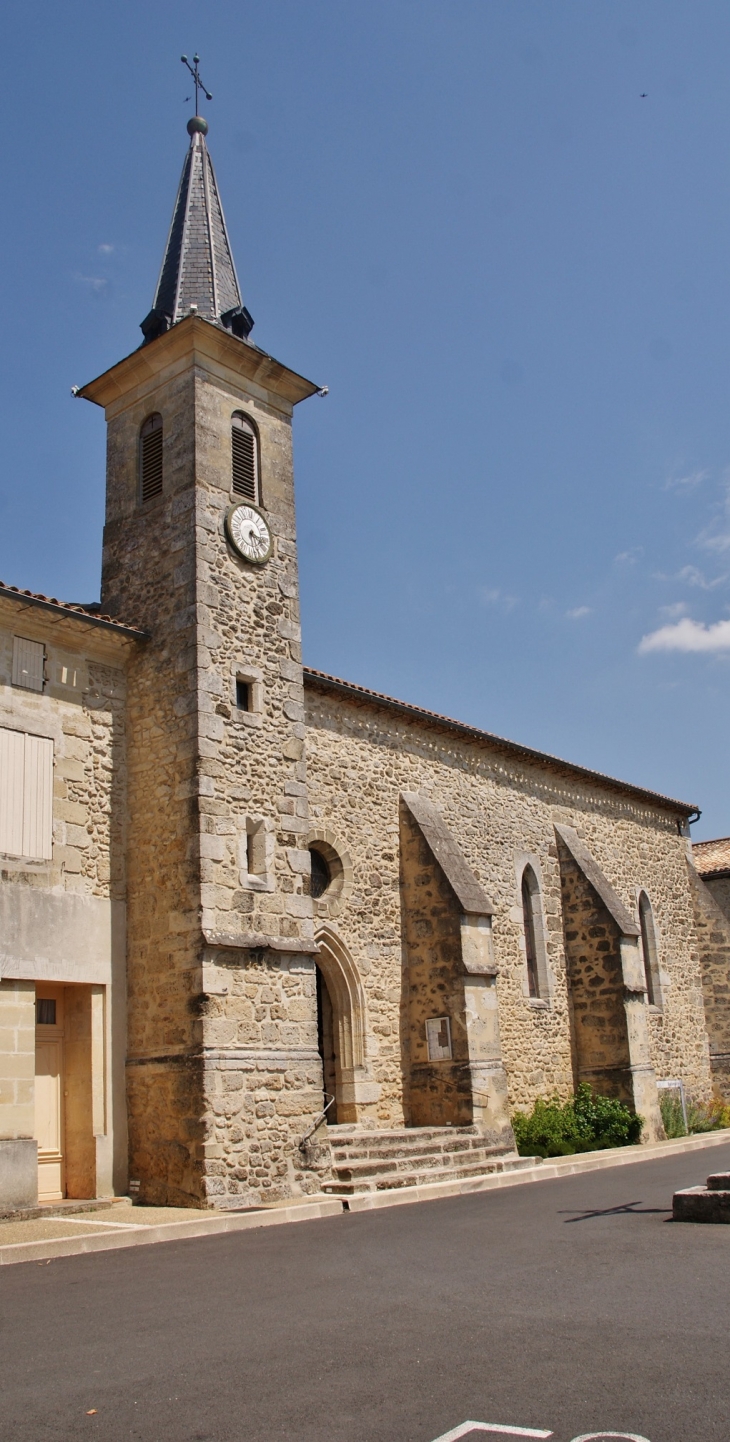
(317,1122)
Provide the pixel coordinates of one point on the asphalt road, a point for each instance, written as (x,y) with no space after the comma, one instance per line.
(572,1307)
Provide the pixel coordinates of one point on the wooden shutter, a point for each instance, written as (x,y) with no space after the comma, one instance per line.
(151,458)
(38,798)
(26,795)
(28,659)
(243,459)
(12,767)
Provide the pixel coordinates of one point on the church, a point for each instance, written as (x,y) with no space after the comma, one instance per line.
(264,933)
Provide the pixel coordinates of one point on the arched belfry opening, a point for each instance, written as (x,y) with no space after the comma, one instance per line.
(342,1030)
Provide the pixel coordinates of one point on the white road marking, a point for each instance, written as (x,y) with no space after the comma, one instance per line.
(627,1436)
(467,1427)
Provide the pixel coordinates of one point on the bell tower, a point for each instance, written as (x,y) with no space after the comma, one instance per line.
(224,1075)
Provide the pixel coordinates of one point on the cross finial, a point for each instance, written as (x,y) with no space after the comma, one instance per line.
(194,71)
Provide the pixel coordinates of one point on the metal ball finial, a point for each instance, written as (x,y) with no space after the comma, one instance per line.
(197,125)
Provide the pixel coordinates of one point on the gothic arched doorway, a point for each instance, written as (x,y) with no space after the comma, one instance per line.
(342,1028)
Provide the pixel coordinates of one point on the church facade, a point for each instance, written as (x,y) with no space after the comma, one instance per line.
(265,933)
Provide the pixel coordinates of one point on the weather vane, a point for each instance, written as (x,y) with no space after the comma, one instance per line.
(196,77)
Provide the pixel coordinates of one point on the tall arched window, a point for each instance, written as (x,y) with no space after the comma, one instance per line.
(244,457)
(530,918)
(150,458)
(650,950)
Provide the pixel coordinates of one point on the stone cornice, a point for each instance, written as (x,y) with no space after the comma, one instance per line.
(360,695)
(196,340)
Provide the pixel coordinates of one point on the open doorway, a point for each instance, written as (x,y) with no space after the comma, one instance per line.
(327,1042)
(69,1089)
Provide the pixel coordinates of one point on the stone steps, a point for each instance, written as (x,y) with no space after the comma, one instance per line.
(374,1161)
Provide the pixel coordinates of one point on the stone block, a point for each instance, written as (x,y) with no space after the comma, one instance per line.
(701,1204)
(18,1174)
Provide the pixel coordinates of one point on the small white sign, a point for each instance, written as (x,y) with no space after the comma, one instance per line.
(438,1036)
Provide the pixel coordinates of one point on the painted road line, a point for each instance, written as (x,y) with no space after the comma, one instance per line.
(467,1427)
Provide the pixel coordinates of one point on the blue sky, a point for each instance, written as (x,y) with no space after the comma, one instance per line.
(513,273)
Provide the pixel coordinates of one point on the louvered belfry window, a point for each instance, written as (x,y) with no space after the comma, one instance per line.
(244,458)
(150,458)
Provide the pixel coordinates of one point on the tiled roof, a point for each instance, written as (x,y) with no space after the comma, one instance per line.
(319,680)
(711,857)
(84,613)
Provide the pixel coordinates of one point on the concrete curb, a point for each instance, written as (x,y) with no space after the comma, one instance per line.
(206,1225)
(544,1172)
(138,1235)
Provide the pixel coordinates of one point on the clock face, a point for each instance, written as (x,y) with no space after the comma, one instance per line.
(248,533)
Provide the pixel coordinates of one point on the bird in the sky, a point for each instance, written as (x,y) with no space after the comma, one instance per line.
(643,95)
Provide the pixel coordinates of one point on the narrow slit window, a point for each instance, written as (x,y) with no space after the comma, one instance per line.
(244,458)
(150,458)
(529,902)
(243,695)
(649,949)
(256,849)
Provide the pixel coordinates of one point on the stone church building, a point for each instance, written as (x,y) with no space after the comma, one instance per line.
(236,893)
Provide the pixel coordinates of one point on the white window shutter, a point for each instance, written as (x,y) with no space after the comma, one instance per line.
(38,798)
(12,768)
(26,795)
(28,659)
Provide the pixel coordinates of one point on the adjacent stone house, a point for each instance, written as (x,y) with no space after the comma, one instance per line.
(264,932)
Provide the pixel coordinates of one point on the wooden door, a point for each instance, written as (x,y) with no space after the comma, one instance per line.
(49,1093)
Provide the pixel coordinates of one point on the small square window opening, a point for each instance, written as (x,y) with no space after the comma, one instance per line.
(45,1011)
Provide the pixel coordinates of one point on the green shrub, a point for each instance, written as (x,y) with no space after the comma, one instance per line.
(585,1123)
(672,1117)
(701,1116)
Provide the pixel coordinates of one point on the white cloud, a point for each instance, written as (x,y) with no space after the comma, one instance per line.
(694,577)
(492,596)
(578,611)
(715,541)
(94,282)
(687,635)
(106,249)
(687,482)
(716,536)
(674,611)
(629,558)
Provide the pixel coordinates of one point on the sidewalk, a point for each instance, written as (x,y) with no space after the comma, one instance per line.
(41,1239)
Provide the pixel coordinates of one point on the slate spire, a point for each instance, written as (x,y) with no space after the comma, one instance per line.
(198,273)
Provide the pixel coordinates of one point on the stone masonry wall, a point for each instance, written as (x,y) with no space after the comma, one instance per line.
(501,810)
(436,1093)
(713,931)
(719,889)
(210,920)
(87,728)
(595,985)
(148,575)
(86,723)
(17,1059)
(263,1073)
